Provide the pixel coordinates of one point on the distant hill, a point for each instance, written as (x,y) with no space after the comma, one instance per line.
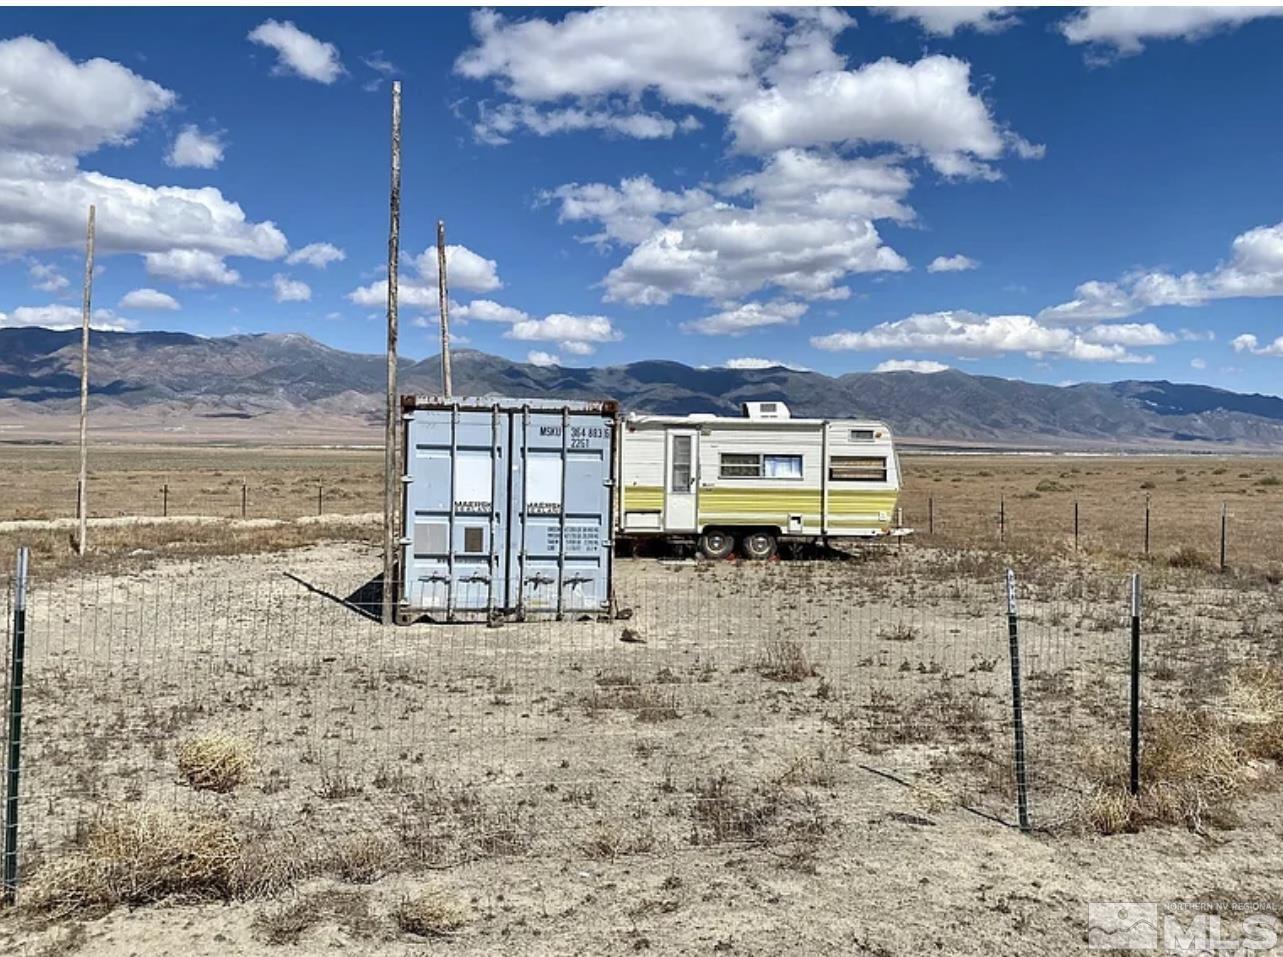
(293,386)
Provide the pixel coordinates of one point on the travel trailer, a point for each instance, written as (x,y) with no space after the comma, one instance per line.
(756,480)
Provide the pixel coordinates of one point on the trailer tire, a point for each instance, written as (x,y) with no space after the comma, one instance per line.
(716,544)
(758,546)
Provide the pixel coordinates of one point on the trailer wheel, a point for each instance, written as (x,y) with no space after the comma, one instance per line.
(716,544)
(758,546)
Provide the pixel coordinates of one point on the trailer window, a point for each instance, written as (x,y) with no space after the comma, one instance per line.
(861,435)
(681,471)
(748,465)
(782,466)
(857,468)
(740,465)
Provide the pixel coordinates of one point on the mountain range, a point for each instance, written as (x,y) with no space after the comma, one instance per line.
(291,388)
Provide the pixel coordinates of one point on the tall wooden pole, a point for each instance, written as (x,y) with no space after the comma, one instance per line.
(447,386)
(391,486)
(82,512)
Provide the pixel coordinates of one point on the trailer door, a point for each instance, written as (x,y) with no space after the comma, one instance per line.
(680,487)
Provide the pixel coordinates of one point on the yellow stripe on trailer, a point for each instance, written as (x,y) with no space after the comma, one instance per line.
(847,508)
(643,498)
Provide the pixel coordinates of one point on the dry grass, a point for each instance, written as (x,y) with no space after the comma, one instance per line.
(1195,764)
(287,923)
(432,914)
(784,659)
(1189,557)
(361,858)
(138,855)
(217,762)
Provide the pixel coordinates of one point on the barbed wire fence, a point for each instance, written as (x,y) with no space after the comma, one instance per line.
(724,702)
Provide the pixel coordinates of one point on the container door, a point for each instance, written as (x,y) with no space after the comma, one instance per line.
(454,509)
(559,538)
(682,469)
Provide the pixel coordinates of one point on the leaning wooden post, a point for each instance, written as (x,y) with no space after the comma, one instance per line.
(390,484)
(1017,704)
(82,513)
(447,383)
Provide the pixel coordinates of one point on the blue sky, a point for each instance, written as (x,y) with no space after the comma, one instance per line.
(1056,195)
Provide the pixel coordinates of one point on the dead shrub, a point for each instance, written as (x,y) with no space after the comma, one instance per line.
(899,632)
(216,762)
(647,702)
(612,840)
(448,826)
(137,855)
(784,659)
(431,914)
(1193,766)
(360,859)
(288,922)
(1189,557)
(726,810)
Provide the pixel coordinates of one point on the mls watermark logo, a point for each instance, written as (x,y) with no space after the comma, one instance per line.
(1199,928)
(1122,926)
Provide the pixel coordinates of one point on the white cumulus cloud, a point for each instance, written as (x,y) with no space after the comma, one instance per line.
(285,289)
(465,270)
(46,277)
(537,357)
(945,21)
(958,263)
(53,110)
(925,366)
(319,255)
(1249,343)
(57,316)
(193,148)
(487,310)
(194,267)
(1254,269)
(742,318)
(51,105)
(297,52)
(1125,30)
(147,298)
(575,334)
(927,106)
(973,335)
(752,363)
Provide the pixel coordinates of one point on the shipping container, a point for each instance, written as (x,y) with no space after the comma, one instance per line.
(507,507)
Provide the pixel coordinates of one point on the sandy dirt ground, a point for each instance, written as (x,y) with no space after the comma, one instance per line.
(794,757)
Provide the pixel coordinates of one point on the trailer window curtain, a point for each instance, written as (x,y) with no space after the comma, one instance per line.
(782,466)
(857,468)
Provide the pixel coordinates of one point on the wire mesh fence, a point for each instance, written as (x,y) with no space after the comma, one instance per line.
(722,702)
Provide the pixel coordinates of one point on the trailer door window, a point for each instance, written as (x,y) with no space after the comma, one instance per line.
(740,465)
(782,466)
(857,468)
(681,477)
